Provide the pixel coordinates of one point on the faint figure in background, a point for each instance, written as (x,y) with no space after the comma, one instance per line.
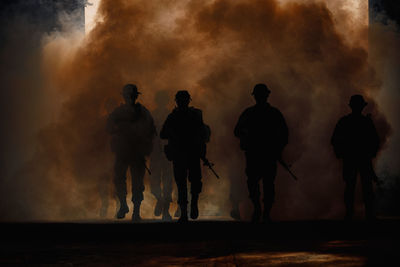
(105,180)
(263,135)
(132,128)
(355,141)
(187,136)
(161,178)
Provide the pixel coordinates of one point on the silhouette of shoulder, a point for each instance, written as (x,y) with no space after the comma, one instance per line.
(348,121)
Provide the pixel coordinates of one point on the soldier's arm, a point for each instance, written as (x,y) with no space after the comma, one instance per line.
(202,126)
(337,139)
(111,126)
(240,125)
(165,130)
(337,136)
(204,135)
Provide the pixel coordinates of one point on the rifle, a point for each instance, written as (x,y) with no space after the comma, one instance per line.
(147,169)
(287,168)
(210,166)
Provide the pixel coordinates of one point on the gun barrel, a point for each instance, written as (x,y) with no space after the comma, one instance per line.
(209,165)
(286,167)
(216,175)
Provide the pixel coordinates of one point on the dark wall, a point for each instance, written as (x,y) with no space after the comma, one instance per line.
(389,8)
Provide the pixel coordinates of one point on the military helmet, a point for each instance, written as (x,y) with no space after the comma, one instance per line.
(183,94)
(357,101)
(261,89)
(130,89)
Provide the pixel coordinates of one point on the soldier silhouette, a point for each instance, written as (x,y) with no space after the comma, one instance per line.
(161,178)
(187,136)
(132,131)
(356,142)
(263,135)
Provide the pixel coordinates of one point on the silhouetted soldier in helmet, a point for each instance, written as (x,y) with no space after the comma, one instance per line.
(356,142)
(132,129)
(161,178)
(263,135)
(187,137)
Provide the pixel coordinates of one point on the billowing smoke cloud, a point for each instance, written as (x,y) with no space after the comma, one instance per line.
(217,50)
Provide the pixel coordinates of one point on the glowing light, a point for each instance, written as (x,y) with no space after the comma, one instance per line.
(91,14)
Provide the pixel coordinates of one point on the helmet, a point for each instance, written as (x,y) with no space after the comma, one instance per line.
(130,89)
(261,89)
(357,101)
(183,94)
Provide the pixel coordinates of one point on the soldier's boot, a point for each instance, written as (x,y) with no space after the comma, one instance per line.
(235,213)
(136,212)
(266,215)
(257,211)
(165,213)
(177,212)
(123,209)
(158,208)
(184,216)
(194,209)
(267,211)
(349,213)
(369,213)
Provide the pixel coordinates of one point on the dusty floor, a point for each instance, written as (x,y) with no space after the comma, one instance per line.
(201,243)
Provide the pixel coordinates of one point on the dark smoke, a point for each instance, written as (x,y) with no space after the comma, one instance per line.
(217,50)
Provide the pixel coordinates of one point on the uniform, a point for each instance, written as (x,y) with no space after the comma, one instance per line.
(263,134)
(356,142)
(132,129)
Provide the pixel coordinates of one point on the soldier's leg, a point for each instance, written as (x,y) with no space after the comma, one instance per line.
(253,184)
(350,178)
(180,173)
(155,184)
(120,168)
(167,189)
(366,175)
(137,172)
(195,186)
(269,188)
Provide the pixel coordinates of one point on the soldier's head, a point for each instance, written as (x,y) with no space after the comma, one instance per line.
(261,93)
(182,99)
(357,103)
(130,93)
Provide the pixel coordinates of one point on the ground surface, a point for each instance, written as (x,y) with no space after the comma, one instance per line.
(201,243)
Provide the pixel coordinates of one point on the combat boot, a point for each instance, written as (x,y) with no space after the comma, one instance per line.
(257,212)
(158,208)
(266,217)
(194,209)
(123,209)
(349,214)
(184,215)
(370,214)
(165,213)
(136,212)
(267,211)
